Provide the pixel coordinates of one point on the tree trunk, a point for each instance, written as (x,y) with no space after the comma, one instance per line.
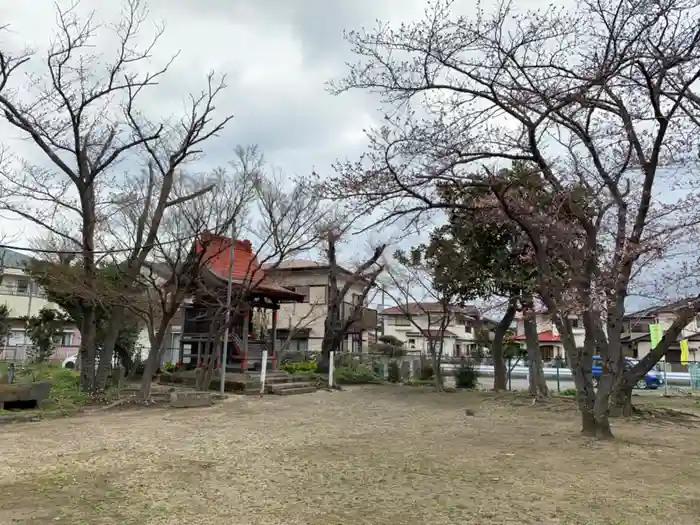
(500,375)
(581,368)
(613,365)
(116,322)
(621,401)
(601,410)
(437,372)
(331,338)
(155,355)
(88,342)
(212,362)
(204,364)
(537,381)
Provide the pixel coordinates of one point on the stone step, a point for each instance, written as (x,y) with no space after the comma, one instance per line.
(283,389)
(290,386)
(275,380)
(296,390)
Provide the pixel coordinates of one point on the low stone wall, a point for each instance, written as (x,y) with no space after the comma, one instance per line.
(21,392)
(188,378)
(191,399)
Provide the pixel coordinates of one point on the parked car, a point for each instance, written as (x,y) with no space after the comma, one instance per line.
(652,379)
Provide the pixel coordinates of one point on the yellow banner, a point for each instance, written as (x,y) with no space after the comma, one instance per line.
(656,333)
(684,352)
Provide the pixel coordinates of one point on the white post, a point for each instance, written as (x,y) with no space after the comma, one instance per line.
(263,372)
(665,380)
(411,365)
(224,345)
(330,369)
(527,374)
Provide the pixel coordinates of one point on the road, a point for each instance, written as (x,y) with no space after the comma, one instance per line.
(522,384)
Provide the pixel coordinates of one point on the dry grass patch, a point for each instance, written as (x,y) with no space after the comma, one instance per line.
(380,455)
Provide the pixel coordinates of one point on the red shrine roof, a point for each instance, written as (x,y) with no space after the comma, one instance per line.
(246,268)
(543,337)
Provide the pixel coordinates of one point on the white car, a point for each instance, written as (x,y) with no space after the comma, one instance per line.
(70,361)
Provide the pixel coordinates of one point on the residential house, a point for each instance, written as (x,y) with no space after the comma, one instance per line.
(24,298)
(416,324)
(551,346)
(301,325)
(636,337)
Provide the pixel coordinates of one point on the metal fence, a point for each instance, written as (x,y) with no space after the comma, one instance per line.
(558,375)
(25,354)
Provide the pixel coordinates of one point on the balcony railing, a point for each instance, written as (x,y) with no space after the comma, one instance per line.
(20,292)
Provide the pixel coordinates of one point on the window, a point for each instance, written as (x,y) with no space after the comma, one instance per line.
(458,350)
(547,353)
(356,343)
(402,321)
(575,323)
(296,345)
(468,328)
(303,290)
(411,343)
(357,299)
(22,287)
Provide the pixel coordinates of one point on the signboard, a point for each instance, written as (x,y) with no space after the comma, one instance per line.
(684,352)
(656,333)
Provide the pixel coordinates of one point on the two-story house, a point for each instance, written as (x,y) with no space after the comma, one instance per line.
(636,337)
(420,324)
(24,298)
(551,346)
(300,326)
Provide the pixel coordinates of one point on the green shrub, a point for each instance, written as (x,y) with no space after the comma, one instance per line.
(426,372)
(304,367)
(394,372)
(568,392)
(65,384)
(466,376)
(169,367)
(354,373)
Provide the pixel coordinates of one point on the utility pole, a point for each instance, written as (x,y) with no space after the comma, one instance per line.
(224,346)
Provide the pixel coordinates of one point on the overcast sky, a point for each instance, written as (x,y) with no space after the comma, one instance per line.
(277,56)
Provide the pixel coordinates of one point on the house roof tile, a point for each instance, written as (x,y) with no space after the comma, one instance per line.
(546,336)
(246,268)
(429,308)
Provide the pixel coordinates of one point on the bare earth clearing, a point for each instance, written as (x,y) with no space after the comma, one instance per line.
(377,455)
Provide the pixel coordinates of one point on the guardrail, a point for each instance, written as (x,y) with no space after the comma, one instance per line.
(672,378)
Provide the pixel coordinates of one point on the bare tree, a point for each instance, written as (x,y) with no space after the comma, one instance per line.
(600,100)
(85,116)
(411,286)
(284,223)
(173,268)
(339,320)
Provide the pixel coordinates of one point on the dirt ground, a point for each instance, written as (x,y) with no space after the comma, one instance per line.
(379,455)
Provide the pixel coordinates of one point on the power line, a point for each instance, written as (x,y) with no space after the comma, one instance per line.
(190,237)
